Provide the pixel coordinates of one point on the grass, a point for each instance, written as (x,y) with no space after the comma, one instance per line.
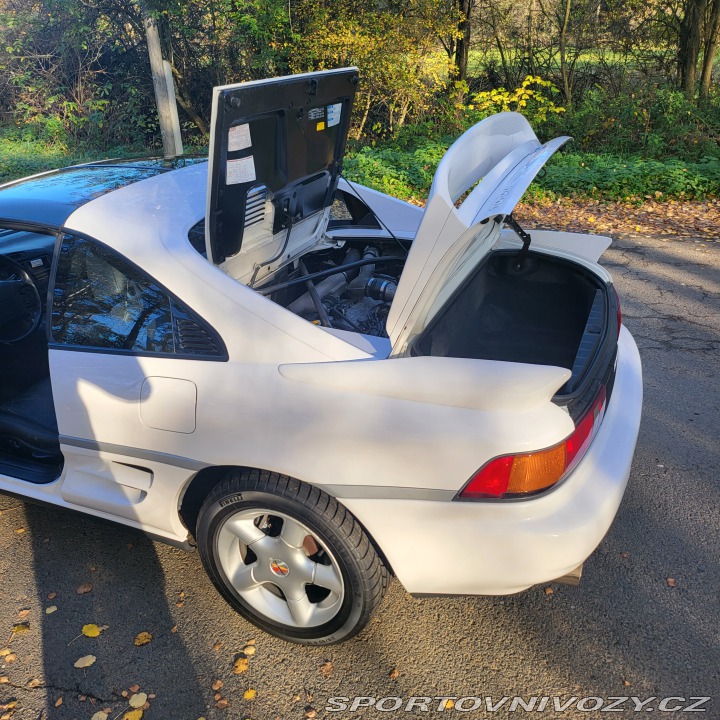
(21,156)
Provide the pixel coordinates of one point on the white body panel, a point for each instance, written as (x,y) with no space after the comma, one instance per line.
(505,547)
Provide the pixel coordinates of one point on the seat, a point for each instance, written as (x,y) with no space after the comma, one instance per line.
(28,423)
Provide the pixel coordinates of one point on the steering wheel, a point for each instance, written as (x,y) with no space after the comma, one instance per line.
(20,304)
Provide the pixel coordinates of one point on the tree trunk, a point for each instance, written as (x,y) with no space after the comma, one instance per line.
(689,46)
(366,111)
(711,46)
(530,42)
(462,47)
(162,96)
(563,54)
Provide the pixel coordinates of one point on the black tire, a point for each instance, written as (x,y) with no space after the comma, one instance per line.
(363,574)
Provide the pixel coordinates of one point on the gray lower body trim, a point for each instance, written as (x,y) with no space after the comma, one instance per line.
(151,455)
(378,492)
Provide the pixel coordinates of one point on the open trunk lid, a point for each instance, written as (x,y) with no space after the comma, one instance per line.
(276,149)
(500,156)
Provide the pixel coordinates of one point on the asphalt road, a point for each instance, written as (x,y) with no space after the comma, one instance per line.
(626,631)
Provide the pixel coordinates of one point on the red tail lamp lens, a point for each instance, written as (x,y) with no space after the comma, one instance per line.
(525,473)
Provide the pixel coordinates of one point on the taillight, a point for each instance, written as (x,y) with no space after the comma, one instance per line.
(528,473)
(619,311)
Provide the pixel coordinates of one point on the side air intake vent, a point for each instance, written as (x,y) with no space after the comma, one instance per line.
(191,338)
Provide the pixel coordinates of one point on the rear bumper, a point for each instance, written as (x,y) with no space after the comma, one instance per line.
(497,548)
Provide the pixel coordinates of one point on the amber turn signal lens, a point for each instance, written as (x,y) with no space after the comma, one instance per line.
(536,471)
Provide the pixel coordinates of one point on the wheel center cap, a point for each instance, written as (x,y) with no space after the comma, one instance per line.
(279,567)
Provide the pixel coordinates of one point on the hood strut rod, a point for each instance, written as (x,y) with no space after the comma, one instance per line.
(524,236)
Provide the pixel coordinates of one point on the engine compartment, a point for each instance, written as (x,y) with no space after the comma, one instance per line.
(349,287)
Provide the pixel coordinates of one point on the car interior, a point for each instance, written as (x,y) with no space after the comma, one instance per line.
(29,444)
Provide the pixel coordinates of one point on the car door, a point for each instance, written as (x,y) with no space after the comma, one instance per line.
(126,360)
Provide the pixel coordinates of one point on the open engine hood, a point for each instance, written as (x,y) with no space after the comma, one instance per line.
(500,156)
(276,149)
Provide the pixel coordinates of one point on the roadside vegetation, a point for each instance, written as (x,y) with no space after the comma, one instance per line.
(635,84)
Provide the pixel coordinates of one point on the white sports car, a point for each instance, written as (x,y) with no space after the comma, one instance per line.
(317,384)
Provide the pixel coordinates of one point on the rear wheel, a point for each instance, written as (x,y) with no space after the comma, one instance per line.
(289,558)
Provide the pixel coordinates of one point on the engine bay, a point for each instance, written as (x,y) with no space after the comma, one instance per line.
(347,287)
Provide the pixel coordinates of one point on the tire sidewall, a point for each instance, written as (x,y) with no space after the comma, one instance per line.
(218,509)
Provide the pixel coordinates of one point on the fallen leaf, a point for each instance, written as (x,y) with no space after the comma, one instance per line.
(250,642)
(138,700)
(58,702)
(310,712)
(100,715)
(82,698)
(50,610)
(449,704)
(85,661)
(125,694)
(52,595)
(152,696)
(23,613)
(20,628)
(296,698)
(672,582)
(249,694)
(217,646)
(4,679)
(143,638)
(240,665)
(84,588)
(326,669)
(134,688)
(217,685)
(90,630)
(173,629)
(133,714)
(549,591)
(222,703)
(249,649)
(217,696)
(34,683)
(182,594)
(10,658)
(626,683)
(20,531)
(394,674)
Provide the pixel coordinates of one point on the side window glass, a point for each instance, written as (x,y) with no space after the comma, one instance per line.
(101,300)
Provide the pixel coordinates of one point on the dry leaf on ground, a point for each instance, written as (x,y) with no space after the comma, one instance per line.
(138,700)
(85,661)
(143,638)
(91,630)
(326,669)
(240,665)
(50,610)
(84,588)
(217,685)
(249,694)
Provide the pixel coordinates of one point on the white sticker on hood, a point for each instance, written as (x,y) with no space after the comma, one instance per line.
(239,137)
(334,113)
(240,171)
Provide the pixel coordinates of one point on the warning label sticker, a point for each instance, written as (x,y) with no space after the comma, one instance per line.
(239,137)
(240,171)
(316,113)
(334,113)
